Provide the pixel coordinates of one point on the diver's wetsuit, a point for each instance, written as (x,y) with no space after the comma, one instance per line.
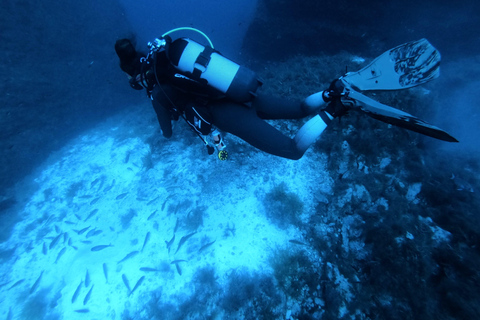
(249,125)
(245,122)
(174,95)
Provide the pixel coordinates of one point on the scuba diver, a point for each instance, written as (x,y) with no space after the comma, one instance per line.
(212,93)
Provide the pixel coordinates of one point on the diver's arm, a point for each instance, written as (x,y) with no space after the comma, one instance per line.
(164,116)
(164,119)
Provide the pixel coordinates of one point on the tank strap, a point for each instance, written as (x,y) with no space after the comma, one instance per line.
(201,63)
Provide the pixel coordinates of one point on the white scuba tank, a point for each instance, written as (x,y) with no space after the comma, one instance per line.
(206,65)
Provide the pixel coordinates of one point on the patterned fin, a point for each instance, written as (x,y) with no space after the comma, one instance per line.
(405,66)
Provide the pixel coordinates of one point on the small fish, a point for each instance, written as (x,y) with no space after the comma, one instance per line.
(16,284)
(110,186)
(177,261)
(461,184)
(86,241)
(77,292)
(183,240)
(101,247)
(177,265)
(77,216)
(10,314)
(205,246)
(152,201)
(125,281)
(147,269)
(151,215)
(96,233)
(82,231)
(127,157)
(121,196)
(297,242)
(57,229)
(82,310)
(65,237)
(44,249)
(94,201)
(147,237)
(60,254)
(54,241)
(105,272)
(92,213)
(87,297)
(169,243)
(37,282)
(94,182)
(91,233)
(87,279)
(164,203)
(139,282)
(178,269)
(128,256)
(69,222)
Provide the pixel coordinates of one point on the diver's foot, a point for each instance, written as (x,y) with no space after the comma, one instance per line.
(336,109)
(334,97)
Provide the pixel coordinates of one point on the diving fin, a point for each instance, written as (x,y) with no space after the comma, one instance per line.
(408,65)
(357,101)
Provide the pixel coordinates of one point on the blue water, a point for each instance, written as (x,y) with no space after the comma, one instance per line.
(103,218)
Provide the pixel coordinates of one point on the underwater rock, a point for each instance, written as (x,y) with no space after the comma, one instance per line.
(439,235)
(413,191)
(357,193)
(384,163)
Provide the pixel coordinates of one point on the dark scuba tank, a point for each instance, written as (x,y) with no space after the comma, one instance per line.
(205,65)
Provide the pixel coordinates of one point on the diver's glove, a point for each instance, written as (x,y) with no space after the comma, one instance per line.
(333,96)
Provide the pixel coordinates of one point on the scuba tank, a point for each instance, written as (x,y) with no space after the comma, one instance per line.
(207,66)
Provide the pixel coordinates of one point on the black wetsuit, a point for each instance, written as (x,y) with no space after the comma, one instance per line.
(178,95)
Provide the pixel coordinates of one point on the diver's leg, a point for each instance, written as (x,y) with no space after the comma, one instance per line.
(161,105)
(245,124)
(311,130)
(271,107)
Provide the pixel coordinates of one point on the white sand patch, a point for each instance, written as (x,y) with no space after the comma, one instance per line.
(110,183)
